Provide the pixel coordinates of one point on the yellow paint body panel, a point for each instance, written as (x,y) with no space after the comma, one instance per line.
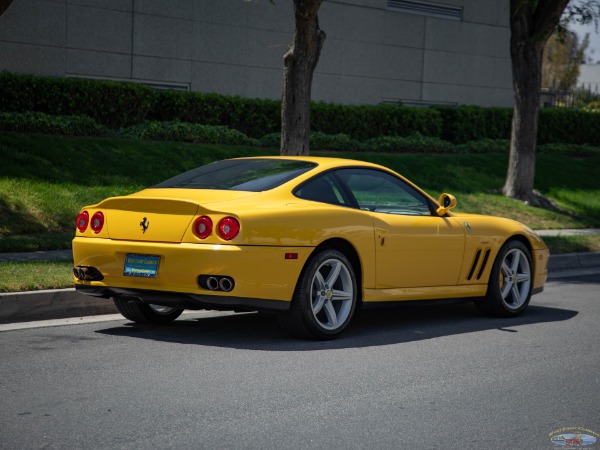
(400,257)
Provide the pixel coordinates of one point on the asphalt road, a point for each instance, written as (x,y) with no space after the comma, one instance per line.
(422,377)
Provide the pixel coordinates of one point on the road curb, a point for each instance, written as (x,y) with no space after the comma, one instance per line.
(64,303)
(51,304)
(573,261)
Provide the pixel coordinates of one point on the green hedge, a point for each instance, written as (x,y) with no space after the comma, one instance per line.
(366,121)
(188,132)
(110,103)
(569,127)
(120,105)
(219,135)
(253,117)
(47,124)
(472,123)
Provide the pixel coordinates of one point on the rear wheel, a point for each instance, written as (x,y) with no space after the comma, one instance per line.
(325,298)
(146,313)
(511,282)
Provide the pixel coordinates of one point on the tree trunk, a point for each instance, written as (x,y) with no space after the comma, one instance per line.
(299,65)
(531,24)
(4,4)
(527,69)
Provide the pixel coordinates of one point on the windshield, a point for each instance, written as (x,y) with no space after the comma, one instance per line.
(253,175)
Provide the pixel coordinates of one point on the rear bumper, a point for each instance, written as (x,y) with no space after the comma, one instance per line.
(186,300)
(262,274)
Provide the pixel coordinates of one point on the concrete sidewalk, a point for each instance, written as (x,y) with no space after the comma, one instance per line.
(63,303)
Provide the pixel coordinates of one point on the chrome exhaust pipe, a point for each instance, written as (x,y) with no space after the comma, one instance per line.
(87,273)
(226,284)
(212,283)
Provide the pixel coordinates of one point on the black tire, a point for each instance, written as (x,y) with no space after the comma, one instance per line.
(142,313)
(511,282)
(325,298)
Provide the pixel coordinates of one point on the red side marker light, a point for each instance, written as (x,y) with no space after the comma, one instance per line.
(291,256)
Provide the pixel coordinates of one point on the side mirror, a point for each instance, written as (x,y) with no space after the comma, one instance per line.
(447,202)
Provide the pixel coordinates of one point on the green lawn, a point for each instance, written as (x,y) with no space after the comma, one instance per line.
(45,180)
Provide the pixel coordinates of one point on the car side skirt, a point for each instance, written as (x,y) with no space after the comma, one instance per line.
(423,293)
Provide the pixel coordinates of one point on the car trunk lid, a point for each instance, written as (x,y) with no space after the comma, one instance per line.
(154,215)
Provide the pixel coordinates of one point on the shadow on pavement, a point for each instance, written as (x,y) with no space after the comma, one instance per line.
(402,324)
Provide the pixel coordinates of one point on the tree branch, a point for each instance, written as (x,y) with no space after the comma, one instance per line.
(546,17)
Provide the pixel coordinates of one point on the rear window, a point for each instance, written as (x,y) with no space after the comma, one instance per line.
(253,175)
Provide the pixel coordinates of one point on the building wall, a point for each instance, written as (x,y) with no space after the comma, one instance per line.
(589,77)
(371,55)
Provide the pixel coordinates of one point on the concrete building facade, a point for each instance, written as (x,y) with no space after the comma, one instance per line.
(589,77)
(413,52)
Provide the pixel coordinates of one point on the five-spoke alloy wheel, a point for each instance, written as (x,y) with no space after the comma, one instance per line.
(511,282)
(325,298)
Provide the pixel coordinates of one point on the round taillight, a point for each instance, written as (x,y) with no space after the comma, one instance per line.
(229,228)
(82,221)
(203,227)
(97,222)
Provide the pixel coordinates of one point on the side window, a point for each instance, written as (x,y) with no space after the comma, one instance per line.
(380,191)
(323,189)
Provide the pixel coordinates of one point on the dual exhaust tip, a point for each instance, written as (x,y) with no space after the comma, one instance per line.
(216,283)
(210,282)
(87,273)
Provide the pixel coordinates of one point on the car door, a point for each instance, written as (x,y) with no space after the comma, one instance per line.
(414,247)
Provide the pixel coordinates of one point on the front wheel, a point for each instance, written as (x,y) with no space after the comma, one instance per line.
(145,313)
(325,298)
(511,282)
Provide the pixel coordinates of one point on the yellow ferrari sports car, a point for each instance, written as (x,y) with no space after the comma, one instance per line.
(310,238)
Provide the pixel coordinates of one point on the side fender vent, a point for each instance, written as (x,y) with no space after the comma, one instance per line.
(483,263)
(474,265)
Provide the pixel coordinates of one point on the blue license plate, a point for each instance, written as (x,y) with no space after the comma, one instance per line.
(144,266)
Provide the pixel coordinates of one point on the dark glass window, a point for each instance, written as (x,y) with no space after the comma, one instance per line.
(379,191)
(323,188)
(253,175)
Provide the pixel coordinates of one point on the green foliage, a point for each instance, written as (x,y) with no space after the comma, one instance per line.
(367,121)
(118,105)
(472,123)
(31,122)
(568,126)
(411,144)
(113,104)
(253,117)
(577,150)
(485,146)
(188,132)
(271,140)
(322,141)
(31,276)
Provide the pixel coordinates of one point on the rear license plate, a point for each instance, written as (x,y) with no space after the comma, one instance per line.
(144,266)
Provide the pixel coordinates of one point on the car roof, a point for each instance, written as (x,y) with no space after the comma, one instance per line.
(325,162)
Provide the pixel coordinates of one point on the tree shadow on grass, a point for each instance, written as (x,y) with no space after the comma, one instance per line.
(377,327)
